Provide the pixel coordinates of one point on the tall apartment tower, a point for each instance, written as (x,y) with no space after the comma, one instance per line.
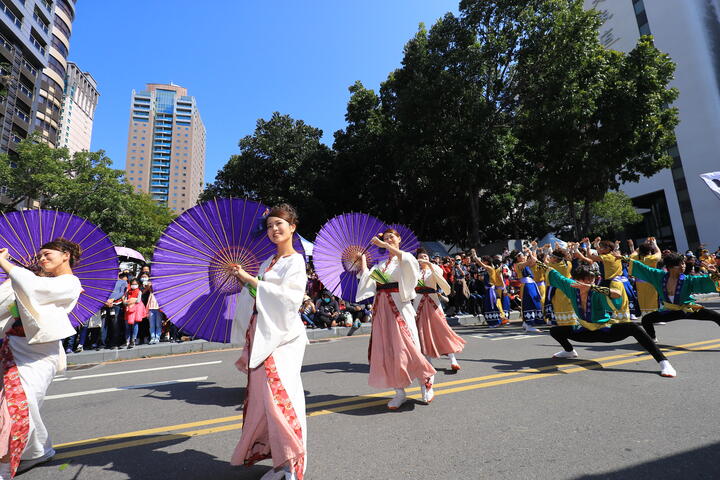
(166,146)
(677,206)
(52,78)
(78,110)
(25,44)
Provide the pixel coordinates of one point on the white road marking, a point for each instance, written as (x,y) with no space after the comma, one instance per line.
(119,389)
(111,374)
(495,336)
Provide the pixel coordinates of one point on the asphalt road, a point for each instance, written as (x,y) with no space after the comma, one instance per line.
(510,413)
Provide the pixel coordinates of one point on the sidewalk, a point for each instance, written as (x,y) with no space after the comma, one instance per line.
(167,348)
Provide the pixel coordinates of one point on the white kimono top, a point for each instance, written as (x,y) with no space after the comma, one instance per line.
(44,304)
(406,272)
(279,296)
(433,278)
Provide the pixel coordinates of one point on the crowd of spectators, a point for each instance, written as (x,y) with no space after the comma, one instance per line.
(132,316)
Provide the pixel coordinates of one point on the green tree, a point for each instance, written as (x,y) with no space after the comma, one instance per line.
(284,160)
(590,118)
(86,185)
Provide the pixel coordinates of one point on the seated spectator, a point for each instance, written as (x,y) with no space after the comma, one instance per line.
(307,312)
(327,311)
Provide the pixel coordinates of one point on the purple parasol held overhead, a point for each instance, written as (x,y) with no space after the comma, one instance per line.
(24,232)
(408,241)
(194,257)
(336,246)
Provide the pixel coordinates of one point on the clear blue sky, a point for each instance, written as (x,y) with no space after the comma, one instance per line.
(241,59)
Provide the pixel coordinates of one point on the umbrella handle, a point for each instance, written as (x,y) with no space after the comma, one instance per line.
(352,265)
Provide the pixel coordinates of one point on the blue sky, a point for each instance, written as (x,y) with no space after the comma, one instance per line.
(241,59)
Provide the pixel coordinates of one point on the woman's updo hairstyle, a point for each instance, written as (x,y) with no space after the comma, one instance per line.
(65,246)
(421,251)
(391,230)
(286,212)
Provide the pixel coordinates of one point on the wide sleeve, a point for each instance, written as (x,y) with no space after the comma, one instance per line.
(648,274)
(366,286)
(44,304)
(702,284)
(408,276)
(564,284)
(440,279)
(277,305)
(243,312)
(7,299)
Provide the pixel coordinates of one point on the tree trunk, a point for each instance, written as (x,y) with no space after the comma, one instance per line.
(586,217)
(576,223)
(474,220)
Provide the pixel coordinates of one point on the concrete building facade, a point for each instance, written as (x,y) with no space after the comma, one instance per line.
(678,207)
(166,146)
(24,50)
(78,110)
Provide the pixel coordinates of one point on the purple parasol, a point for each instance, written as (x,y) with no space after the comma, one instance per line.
(408,241)
(24,232)
(336,247)
(194,257)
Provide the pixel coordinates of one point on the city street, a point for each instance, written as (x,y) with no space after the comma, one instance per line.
(511,413)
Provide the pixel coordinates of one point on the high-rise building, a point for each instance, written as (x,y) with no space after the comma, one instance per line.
(52,78)
(676,203)
(25,40)
(78,110)
(166,146)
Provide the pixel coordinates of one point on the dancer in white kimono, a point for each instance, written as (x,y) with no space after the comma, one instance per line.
(268,324)
(394,354)
(436,336)
(33,320)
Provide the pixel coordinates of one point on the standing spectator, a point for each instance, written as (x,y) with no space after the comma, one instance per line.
(460,292)
(113,328)
(134,313)
(90,333)
(153,309)
(327,311)
(476,287)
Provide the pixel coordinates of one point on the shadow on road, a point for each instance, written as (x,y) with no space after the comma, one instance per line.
(357,405)
(337,367)
(148,461)
(201,393)
(700,463)
(545,365)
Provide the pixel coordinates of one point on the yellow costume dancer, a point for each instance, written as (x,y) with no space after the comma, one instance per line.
(563,310)
(647,295)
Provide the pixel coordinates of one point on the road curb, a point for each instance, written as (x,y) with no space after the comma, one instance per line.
(166,348)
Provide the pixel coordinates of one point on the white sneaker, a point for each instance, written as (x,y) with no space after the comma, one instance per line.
(667,370)
(398,399)
(273,474)
(428,395)
(529,328)
(564,354)
(26,465)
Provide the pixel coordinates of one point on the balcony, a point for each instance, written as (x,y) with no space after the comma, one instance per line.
(11,15)
(45,28)
(24,116)
(37,45)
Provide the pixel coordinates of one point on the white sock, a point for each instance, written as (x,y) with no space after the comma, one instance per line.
(451,356)
(5,471)
(667,370)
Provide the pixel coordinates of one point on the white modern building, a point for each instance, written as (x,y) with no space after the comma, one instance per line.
(78,110)
(678,206)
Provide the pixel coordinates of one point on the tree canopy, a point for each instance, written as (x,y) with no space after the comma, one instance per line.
(494,114)
(86,185)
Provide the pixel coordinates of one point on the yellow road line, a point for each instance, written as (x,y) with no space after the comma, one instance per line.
(496,380)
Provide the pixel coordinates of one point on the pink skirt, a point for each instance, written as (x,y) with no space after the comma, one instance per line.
(395,359)
(436,336)
(14,415)
(270,426)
